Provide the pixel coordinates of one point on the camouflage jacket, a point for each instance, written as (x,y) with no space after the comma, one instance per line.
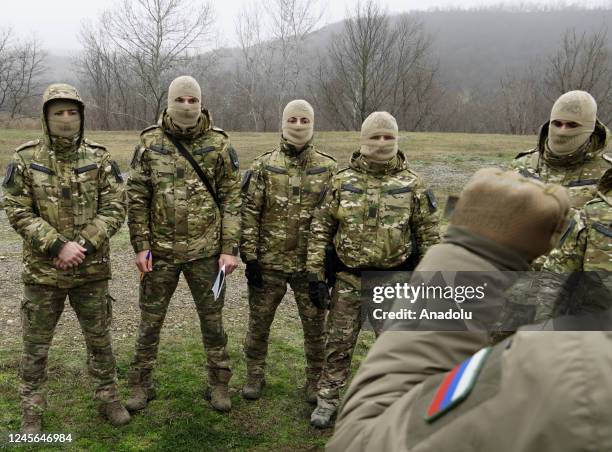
(280,193)
(170,210)
(578,273)
(375,215)
(52,197)
(578,173)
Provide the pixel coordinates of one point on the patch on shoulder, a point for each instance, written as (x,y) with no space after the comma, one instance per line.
(325,155)
(29,144)
(457,385)
(220,130)
(341,170)
(262,156)
(148,129)
(93,144)
(523,154)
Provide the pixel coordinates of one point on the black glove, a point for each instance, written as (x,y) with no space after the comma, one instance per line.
(253,274)
(318,293)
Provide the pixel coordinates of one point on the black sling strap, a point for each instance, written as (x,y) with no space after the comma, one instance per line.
(185,153)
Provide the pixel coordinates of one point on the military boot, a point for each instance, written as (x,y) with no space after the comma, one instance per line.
(116,413)
(218,390)
(254,386)
(324,414)
(310,391)
(31,421)
(142,391)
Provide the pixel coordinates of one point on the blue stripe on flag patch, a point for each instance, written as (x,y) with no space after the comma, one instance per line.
(456,385)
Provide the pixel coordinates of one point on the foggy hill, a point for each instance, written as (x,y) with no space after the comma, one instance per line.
(476,47)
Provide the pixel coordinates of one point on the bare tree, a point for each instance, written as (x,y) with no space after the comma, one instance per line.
(522,102)
(110,88)
(272,35)
(373,65)
(583,62)
(291,22)
(21,69)
(155,37)
(254,72)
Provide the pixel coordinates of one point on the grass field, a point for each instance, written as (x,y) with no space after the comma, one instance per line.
(180,419)
(421,148)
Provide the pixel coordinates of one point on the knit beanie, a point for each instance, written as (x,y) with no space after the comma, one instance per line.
(298,134)
(184,115)
(574,106)
(379,124)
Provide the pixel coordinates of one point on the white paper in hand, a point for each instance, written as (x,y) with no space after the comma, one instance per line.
(219,282)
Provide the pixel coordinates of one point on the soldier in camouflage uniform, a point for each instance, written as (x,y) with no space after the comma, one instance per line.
(577,275)
(573,148)
(177,225)
(379,216)
(65,197)
(280,193)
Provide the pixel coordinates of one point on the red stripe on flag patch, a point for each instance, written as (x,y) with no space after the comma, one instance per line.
(437,401)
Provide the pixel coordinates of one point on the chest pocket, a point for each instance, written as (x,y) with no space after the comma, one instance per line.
(598,253)
(352,209)
(45,190)
(314,183)
(278,184)
(397,207)
(86,202)
(162,168)
(581,191)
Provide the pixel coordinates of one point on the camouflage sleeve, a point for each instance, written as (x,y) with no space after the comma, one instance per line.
(21,213)
(424,219)
(139,194)
(253,196)
(322,230)
(111,205)
(228,189)
(558,266)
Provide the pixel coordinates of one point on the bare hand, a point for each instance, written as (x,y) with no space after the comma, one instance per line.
(71,255)
(230,262)
(144,261)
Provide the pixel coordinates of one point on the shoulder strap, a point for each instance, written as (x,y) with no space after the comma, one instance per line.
(195,167)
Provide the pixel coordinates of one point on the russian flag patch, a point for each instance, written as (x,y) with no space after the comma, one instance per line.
(456,385)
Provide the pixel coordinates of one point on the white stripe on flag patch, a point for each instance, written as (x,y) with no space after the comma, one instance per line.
(469,374)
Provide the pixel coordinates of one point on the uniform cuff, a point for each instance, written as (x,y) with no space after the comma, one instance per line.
(246,257)
(87,245)
(229,248)
(57,245)
(316,276)
(141,246)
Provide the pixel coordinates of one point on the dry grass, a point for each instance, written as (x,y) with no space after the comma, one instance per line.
(422,148)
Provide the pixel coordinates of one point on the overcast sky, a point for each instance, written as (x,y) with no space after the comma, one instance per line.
(57,22)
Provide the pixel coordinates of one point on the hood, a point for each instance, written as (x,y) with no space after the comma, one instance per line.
(291,150)
(204,124)
(359,163)
(600,137)
(61,91)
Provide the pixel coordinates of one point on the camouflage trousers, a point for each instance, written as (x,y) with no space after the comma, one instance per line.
(343,325)
(41,309)
(156,290)
(262,307)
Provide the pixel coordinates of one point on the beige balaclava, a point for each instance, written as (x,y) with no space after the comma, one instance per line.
(184,115)
(578,107)
(298,134)
(379,123)
(63,126)
(520,213)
